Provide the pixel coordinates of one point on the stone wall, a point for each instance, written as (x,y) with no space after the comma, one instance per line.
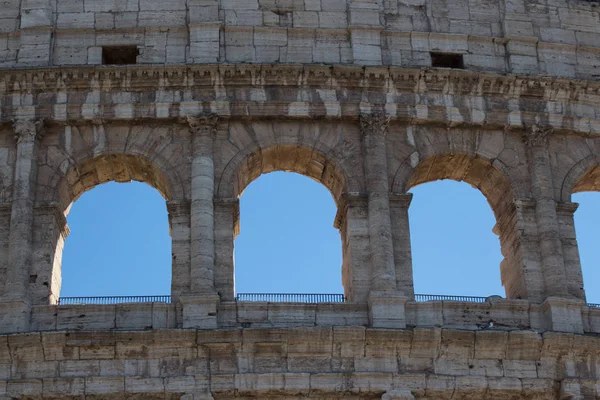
(200,134)
(354,362)
(342,92)
(522,37)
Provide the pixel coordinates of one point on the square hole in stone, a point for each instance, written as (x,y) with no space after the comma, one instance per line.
(447,60)
(119,55)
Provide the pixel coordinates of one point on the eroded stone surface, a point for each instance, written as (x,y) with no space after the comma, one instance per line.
(341,91)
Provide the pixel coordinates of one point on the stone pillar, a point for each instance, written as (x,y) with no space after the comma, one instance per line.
(203,130)
(383,274)
(536,140)
(566,223)
(227,216)
(201,303)
(50,230)
(521,269)
(21,219)
(16,306)
(386,305)
(353,223)
(179,229)
(399,204)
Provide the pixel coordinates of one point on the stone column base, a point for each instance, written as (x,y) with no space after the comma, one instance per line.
(200,312)
(563,315)
(14,316)
(387,310)
(197,396)
(398,394)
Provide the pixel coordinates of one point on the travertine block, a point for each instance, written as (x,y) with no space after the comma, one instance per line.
(387,310)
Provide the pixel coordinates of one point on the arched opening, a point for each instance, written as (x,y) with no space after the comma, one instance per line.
(290,192)
(453,226)
(101,216)
(287,242)
(119,243)
(586,221)
(578,227)
(454,249)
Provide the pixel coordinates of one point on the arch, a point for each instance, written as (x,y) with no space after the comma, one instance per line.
(490,178)
(98,152)
(80,177)
(486,175)
(271,233)
(246,166)
(584,176)
(110,167)
(131,221)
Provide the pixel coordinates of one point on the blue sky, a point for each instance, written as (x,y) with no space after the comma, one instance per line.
(120,244)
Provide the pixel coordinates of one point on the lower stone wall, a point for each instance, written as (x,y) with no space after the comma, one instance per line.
(349,362)
(499,314)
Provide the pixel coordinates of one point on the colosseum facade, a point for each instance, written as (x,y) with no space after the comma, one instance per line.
(198,98)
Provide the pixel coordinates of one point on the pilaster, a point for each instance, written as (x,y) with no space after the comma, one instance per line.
(49,235)
(179,229)
(27,134)
(15,308)
(536,140)
(374,129)
(399,204)
(227,214)
(353,223)
(202,247)
(521,269)
(565,213)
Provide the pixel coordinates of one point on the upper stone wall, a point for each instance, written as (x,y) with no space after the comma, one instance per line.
(550,37)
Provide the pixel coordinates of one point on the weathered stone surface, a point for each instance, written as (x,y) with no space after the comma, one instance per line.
(342,91)
(260,363)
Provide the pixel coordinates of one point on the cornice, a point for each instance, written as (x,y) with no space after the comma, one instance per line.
(331,92)
(295,75)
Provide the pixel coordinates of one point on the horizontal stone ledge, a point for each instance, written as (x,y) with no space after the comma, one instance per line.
(334,385)
(410,114)
(426,79)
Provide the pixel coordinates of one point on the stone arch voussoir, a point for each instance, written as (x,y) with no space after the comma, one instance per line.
(584,176)
(248,164)
(85,174)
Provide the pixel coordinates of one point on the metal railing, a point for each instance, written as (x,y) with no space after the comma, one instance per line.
(63,301)
(290,297)
(265,298)
(594,305)
(437,297)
